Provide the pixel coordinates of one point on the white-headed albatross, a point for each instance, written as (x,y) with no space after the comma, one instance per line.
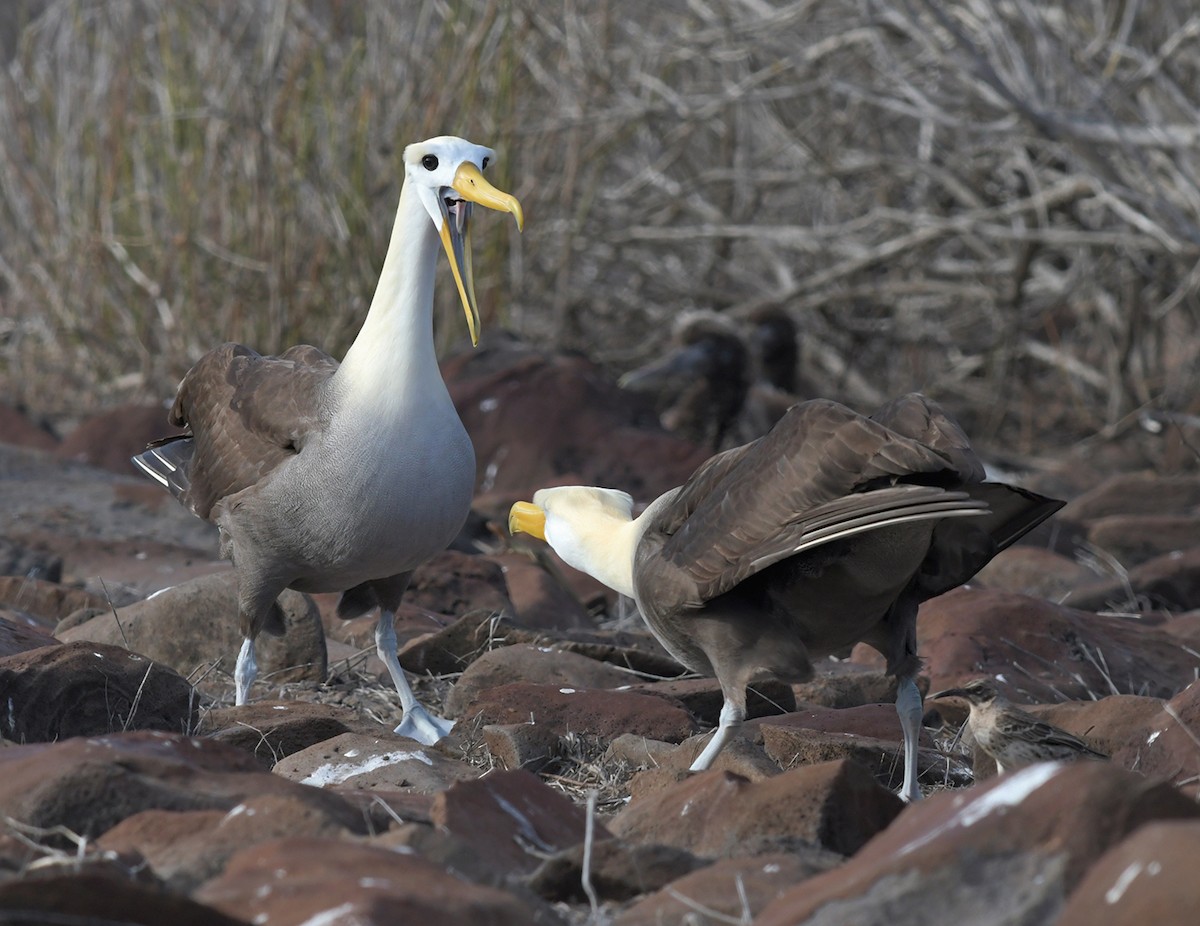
(327,477)
(826,531)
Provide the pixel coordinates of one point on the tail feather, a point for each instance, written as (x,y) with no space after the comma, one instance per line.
(167,463)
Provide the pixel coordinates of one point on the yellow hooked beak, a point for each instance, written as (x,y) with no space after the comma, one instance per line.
(528,518)
(456,231)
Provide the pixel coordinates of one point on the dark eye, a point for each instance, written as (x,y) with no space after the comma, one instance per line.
(485,163)
(429,162)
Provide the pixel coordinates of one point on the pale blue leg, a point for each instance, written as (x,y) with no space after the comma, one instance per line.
(417,722)
(245,671)
(910,709)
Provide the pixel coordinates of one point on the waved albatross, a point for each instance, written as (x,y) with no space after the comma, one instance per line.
(829,530)
(327,477)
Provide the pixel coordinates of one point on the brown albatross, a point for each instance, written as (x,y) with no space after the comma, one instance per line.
(829,530)
(328,477)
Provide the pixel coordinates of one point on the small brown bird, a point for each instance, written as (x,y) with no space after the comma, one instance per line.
(1011,736)
(829,530)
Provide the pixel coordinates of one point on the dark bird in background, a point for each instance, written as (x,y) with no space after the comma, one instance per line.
(1011,736)
(829,530)
(328,477)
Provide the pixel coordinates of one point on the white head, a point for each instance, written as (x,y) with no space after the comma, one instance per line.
(590,528)
(447,174)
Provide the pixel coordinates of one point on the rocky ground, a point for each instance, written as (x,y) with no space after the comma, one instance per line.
(134,792)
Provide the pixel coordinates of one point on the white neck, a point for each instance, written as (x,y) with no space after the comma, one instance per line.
(604,546)
(393,357)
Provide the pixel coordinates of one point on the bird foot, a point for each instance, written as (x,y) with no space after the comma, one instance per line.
(424,727)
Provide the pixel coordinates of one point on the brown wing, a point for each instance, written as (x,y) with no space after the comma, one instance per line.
(923,420)
(246,414)
(752,506)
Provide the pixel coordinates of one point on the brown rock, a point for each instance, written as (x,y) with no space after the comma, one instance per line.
(538,600)
(384,761)
(1035,571)
(272,730)
(1060,652)
(292,881)
(50,602)
(110,437)
(186,848)
(16,427)
(1170,581)
(1136,538)
(455,583)
(727,891)
(744,756)
(1009,850)
(64,897)
(1148,878)
(595,712)
(531,746)
(1135,493)
(703,699)
(89,689)
(19,634)
(512,816)
(848,688)
(455,647)
(794,744)
(618,871)
(838,806)
(526,662)
(191,626)
(90,785)
(31,562)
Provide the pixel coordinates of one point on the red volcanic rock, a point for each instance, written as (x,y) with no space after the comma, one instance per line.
(50,602)
(1135,538)
(90,785)
(18,634)
(109,438)
(87,689)
(1033,571)
(454,583)
(618,870)
(1148,878)
(301,880)
(186,848)
(703,698)
(1041,651)
(594,712)
(530,746)
(382,761)
(539,600)
(850,685)
(1018,844)
(272,730)
(19,429)
(540,420)
(730,888)
(1135,493)
(512,816)
(89,897)
(837,805)
(535,664)
(191,626)
(1170,581)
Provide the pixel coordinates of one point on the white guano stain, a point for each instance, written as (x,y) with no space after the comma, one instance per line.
(329,917)
(336,772)
(1153,736)
(1127,877)
(1009,793)
(566,691)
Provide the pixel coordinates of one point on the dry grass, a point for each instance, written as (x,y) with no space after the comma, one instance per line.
(995,202)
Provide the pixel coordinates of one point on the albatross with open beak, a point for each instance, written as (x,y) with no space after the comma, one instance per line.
(327,477)
(829,530)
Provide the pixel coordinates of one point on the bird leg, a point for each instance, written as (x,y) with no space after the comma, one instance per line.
(244,671)
(732,715)
(908,706)
(417,722)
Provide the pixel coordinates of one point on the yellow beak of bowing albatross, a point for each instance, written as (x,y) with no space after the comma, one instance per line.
(469,186)
(528,518)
